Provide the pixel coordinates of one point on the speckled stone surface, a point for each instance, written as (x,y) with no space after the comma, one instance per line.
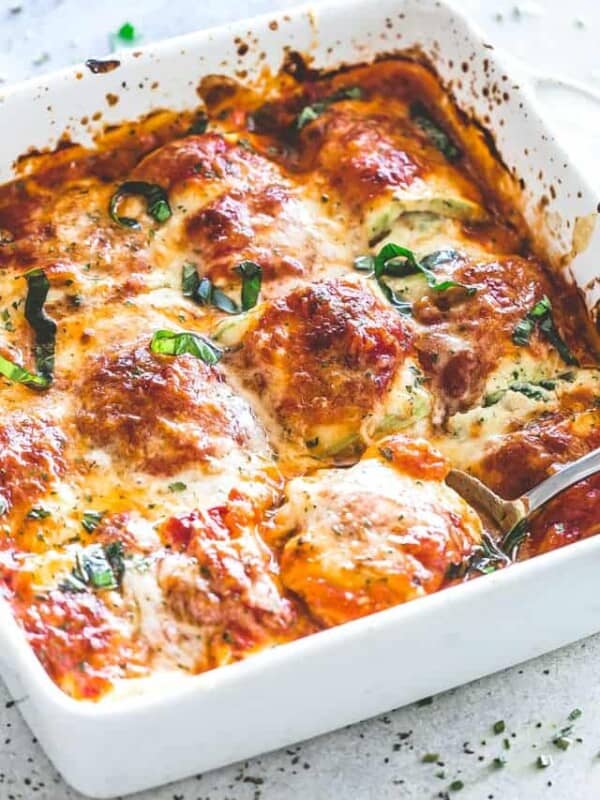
(380,758)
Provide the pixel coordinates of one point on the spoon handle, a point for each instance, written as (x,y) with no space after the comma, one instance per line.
(582,468)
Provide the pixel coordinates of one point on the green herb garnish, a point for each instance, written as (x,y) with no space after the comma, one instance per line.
(499,762)
(38,513)
(44,328)
(499,726)
(541,316)
(96,567)
(314,110)
(515,538)
(430,758)
(575,714)
(438,138)
(127,32)
(91,520)
(251,282)
(157,203)
(456,786)
(177,486)
(175,344)
(21,375)
(205,293)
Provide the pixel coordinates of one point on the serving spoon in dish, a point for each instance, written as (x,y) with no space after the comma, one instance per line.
(512,515)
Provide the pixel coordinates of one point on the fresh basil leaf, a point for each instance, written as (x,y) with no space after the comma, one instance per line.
(439,257)
(398,261)
(157,203)
(91,520)
(548,328)
(401,305)
(44,328)
(364,263)
(189,280)
(175,344)
(515,537)
(541,315)
(223,302)
(438,138)
(200,124)
(20,375)
(314,110)
(251,282)
(97,567)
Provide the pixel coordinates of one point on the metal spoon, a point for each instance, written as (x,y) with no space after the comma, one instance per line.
(509,513)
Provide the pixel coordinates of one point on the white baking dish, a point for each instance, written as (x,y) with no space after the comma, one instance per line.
(365,667)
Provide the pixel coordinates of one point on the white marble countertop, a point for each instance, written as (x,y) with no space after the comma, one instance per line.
(380,758)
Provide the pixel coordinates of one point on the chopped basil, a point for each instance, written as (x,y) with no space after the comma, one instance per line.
(314,110)
(575,714)
(499,726)
(38,513)
(205,293)
(251,282)
(541,315)
(175,344)
(157,203)
(515,538)
(96,567)
(44,328)
(430,758)
(397,261)
(364,263)
(91,520)
(456,786)
(200,123)
(20,375)
(499,762)
(438,138)
(177,486)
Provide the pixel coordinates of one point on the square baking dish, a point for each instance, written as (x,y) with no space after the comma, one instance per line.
(366,667)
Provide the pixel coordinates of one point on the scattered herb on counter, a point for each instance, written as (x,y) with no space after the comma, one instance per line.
(430,758)
(438,138)
(499,762)
(499,726)
(562,742)
(456,786)
(157,203)
(543,761)
(575,714)
(171,343)
(541,316)
(314,110)
(125,36)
